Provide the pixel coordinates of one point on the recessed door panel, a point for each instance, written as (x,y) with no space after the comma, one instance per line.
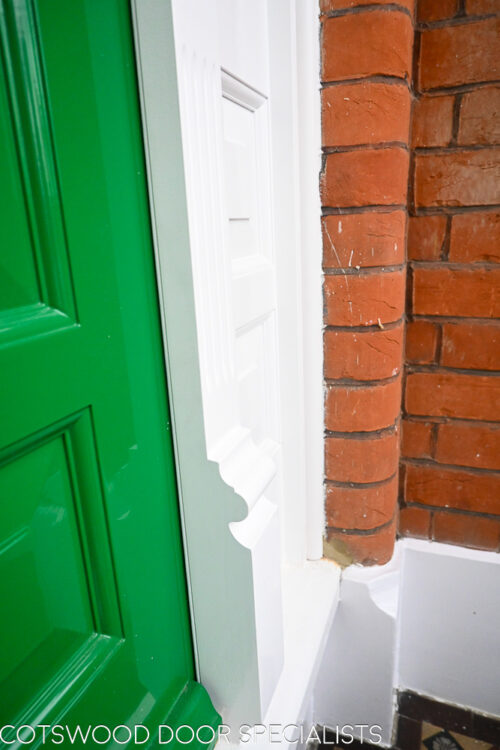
(94,626)
(40,553)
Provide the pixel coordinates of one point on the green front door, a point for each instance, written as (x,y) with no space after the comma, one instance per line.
(94,622)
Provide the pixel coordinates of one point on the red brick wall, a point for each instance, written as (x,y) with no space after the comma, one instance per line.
(451,430)
(366,104)
(386,75)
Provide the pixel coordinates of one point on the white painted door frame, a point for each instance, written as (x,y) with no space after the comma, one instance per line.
(308,66)
(292,229)
(225,123)
(234,584)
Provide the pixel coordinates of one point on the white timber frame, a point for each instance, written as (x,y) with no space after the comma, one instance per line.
(244,654)
(311,254)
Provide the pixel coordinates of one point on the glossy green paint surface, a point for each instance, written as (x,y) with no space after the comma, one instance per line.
(95,623)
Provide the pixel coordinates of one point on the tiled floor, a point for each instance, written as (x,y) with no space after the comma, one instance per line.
(437,738)
(425,724)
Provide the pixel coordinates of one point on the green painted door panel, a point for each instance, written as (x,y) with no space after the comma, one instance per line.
(95,625)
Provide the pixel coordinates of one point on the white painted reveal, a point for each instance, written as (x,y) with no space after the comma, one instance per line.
(428,621)
(449,642)
(356,679)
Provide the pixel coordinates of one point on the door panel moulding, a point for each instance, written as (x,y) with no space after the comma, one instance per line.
(95,622)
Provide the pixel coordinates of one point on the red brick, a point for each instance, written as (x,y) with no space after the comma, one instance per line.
(401,479)
(459,54)
(362,408)
(478,7)
(471,346)
(365,355)
(469,445)
(480,116)
(467,531)
(421,341)
(364,112)
(361,507)
(462,178)
(327,5)
(462,293)
(367,44)
(426,237)
(415,522)
(364,549)
(446,394)
(432,121)
(364,299)
(368,239)
(361,460)
(436,10)
(453,488)
(416,441)
(365,177)
(475,237)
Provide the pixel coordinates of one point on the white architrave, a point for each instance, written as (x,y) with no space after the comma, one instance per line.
(248,430)
(224,123)
(221,571)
